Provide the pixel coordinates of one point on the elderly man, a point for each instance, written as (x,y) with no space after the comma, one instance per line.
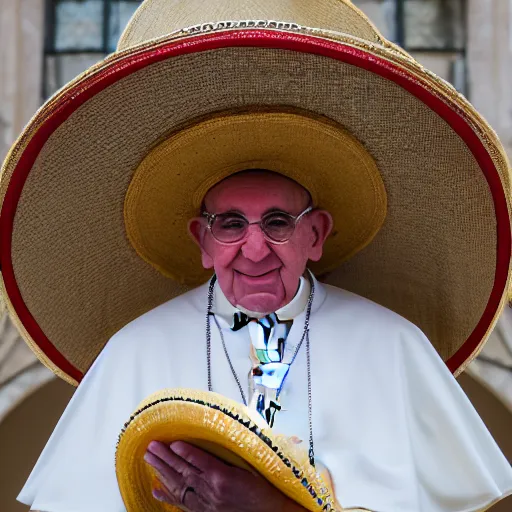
(344,200)
(258,230)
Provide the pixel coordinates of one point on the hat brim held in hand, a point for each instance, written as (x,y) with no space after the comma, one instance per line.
(224,428)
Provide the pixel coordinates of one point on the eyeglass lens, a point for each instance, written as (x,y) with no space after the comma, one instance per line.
(229,228)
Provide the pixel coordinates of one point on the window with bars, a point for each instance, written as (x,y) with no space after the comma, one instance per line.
(78,34)
(81,32)
(432,31)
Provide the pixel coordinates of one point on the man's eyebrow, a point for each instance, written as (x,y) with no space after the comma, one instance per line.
(233,211)
(274,209)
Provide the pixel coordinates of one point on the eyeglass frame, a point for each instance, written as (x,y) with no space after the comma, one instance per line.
(296,218)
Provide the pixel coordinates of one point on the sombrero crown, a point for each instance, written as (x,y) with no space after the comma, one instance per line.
(97,190)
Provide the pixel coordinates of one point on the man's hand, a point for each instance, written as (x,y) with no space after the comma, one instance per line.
(196,481)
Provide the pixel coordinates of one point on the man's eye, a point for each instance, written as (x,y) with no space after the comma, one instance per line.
(232,224)
(278,222)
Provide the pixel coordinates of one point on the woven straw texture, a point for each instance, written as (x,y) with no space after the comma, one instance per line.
(227,431)
(157,18)
(433,261)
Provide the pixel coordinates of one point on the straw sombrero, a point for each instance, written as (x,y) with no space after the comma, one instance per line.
(226,429)
(97,190)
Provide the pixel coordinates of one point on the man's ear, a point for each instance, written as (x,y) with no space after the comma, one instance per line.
(322,224)
(197,230)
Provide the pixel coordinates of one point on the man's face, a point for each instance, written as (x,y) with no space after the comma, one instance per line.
(255,273)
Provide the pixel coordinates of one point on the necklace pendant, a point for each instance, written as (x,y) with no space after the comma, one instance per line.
(265,383)
(268,339)
(265,402)
(271,411)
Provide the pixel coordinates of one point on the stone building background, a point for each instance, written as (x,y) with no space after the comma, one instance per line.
(45,43)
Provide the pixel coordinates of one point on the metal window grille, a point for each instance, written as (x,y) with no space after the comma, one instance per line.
(433,31)
(79,33)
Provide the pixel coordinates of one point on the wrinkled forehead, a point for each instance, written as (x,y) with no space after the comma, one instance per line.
(257,186)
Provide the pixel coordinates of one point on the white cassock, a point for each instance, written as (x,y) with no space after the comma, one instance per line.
(390,422)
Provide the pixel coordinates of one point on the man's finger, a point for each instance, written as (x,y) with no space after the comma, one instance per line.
(176,462)
(196,457)
(190,500)
(171,479)
(164,497)
(193,502)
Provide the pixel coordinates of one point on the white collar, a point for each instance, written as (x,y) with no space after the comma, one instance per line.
(225,310)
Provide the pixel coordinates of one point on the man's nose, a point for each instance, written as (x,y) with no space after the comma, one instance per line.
(255,246)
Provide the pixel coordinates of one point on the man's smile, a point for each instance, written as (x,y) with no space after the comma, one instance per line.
(263,282)
(248,274)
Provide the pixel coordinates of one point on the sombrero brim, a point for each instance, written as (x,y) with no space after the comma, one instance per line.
(71,276)
(223,427)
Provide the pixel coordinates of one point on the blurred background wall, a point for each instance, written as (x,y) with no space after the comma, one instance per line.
(46,43)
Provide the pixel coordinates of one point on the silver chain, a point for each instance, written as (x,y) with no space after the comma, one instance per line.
(305,335)
(310,402)
(241,389)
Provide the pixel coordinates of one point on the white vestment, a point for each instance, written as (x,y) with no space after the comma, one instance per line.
(390,422)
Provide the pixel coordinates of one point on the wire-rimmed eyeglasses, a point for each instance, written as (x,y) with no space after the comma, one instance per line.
(231,227)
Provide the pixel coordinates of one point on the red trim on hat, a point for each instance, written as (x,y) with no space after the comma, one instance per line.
(72,99)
